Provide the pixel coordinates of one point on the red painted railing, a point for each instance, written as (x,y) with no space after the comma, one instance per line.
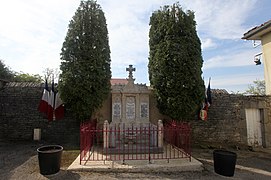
(87,134)
(136,142)
(178,134)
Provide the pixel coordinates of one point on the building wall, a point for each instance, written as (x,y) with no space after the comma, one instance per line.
(226,122)
(154,112)
(266,46)
(105,112)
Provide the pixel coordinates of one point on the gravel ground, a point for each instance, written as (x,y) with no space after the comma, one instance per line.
(20,161)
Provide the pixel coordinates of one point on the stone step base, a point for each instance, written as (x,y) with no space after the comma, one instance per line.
(133,149)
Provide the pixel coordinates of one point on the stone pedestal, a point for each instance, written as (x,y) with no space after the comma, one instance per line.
(160,134)
(106,134)
(130,129)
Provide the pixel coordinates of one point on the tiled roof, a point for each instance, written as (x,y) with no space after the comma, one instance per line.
(24,84)
(115,81)
(35,84)
(4,80)
(257,32)
(219,91)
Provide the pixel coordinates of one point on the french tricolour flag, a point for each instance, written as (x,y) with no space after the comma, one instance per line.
(43,106)
(51,103)
(207,103)
(59,107)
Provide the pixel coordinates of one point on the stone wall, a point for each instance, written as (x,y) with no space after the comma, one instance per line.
(226,122)
(19,116)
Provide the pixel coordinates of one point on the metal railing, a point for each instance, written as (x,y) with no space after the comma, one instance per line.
(87,135)
(178,134)
(120,142)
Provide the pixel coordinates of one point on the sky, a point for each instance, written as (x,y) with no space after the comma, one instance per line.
(32,33)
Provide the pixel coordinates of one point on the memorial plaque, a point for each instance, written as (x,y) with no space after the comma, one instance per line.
(130,108)
(117,110)
(144,112)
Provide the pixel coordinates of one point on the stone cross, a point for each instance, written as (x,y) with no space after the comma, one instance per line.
(130,69)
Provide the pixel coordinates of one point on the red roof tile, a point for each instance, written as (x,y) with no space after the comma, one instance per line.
(118,81)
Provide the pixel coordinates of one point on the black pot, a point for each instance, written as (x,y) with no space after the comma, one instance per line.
(224,162)
(49,159)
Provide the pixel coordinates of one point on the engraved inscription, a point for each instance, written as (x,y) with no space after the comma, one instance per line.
(130,108)
(117,110)
(144,113)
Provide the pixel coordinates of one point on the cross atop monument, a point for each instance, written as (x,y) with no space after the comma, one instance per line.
(130,69)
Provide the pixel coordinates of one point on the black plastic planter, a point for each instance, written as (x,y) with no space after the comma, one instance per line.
(224,162)
(49,159)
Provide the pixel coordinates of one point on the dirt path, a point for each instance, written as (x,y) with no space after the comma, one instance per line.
(20,161)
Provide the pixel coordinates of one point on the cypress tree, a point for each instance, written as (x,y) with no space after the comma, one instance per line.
(175,62)
(85,54)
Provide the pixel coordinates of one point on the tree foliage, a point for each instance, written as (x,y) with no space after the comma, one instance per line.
(5,72)
(26,77)
(175,62)
(257,89)
(85,79)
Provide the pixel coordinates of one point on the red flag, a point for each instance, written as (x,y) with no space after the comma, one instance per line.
(51,103)
(59,107)
(43,106)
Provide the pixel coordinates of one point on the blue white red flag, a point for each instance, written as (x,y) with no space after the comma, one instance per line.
(209,94)
(51,103)
(59,107)
(208,101)
(43,105)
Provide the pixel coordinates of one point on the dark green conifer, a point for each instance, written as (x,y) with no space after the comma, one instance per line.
(85,54)
(175,62)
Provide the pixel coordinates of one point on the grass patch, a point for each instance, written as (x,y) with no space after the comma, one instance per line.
(68,157)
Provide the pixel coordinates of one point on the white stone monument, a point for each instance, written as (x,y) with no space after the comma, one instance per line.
(130,129)
(130,102)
